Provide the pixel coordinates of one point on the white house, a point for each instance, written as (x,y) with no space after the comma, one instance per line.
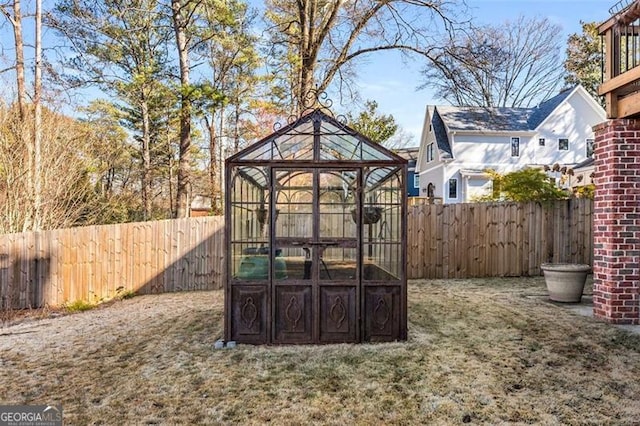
(459,143)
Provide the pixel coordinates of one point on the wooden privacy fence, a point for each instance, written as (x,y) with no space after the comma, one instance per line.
(96,263)
(497,239)
(444,241)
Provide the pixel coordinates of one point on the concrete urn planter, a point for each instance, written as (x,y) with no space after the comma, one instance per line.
(565,281)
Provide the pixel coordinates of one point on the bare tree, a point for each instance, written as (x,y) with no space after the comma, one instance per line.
(180,15)
(30,136)
(234,60)
(66,189)
(516,64)
(37,122)
(313,42)
(13,14)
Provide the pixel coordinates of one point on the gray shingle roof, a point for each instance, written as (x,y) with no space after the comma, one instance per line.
(440,131)
(499,119)
(487,119)
(542,111)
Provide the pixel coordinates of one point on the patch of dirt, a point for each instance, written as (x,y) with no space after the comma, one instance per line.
(479,351)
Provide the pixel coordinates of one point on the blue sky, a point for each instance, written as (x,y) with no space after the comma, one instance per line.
(393,84)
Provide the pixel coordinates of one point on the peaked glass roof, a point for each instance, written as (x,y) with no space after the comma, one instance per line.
(315,137)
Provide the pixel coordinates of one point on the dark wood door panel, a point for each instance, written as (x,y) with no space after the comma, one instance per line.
(382,313)
(293,314)
(338,316)
(250,315)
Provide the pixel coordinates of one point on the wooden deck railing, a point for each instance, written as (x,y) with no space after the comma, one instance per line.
(621,34)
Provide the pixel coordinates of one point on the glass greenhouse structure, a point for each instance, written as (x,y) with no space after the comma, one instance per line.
(315,236)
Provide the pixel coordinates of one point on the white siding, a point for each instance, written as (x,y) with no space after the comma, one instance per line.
(451,172)
(479,152)
(434,176)
(477,187)
(572,120)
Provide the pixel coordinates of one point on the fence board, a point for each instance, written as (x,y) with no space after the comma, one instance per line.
(94,263)
(498,239)
(456,241)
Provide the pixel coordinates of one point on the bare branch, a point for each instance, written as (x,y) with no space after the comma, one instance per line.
(319,41)
(517,64)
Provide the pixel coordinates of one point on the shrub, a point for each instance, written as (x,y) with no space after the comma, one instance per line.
(524,185)
(78,306)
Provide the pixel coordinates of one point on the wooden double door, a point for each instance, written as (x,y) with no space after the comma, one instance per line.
(317,289)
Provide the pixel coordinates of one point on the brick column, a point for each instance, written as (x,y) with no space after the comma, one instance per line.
(616,232)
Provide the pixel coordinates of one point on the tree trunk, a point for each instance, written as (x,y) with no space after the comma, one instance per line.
(37,123)
(146,161)
(306,12)
(214,190)
(236,128)
(184,175)
(16,23)
(24,129)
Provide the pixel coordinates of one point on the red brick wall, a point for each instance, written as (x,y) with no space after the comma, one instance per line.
(616,291)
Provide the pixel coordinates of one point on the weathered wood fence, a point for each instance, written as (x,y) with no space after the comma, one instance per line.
(497,239)
(444,241)
(96,263)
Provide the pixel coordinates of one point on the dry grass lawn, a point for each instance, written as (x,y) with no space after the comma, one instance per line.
(479,351)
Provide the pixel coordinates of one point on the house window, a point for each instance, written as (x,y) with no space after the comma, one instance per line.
(416,180)
(430,152)
(515,147)
(563,144)
(431,189)
(591,146)
(541,142)
(453,188)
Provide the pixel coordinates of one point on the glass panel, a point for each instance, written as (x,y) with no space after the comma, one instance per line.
(382,262)
(338,263)
(335,149)
(371,152)
(382,223)
(339,146)
(293,262)
(249,203)
(387,229)
(294,204)
(294,147)
(337,204)
(260,152)
(249,262)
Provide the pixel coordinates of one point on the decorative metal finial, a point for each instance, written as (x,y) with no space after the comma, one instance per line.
(313,100)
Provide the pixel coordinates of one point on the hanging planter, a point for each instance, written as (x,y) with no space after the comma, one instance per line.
(370,215)
(565,281)
(262,215)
